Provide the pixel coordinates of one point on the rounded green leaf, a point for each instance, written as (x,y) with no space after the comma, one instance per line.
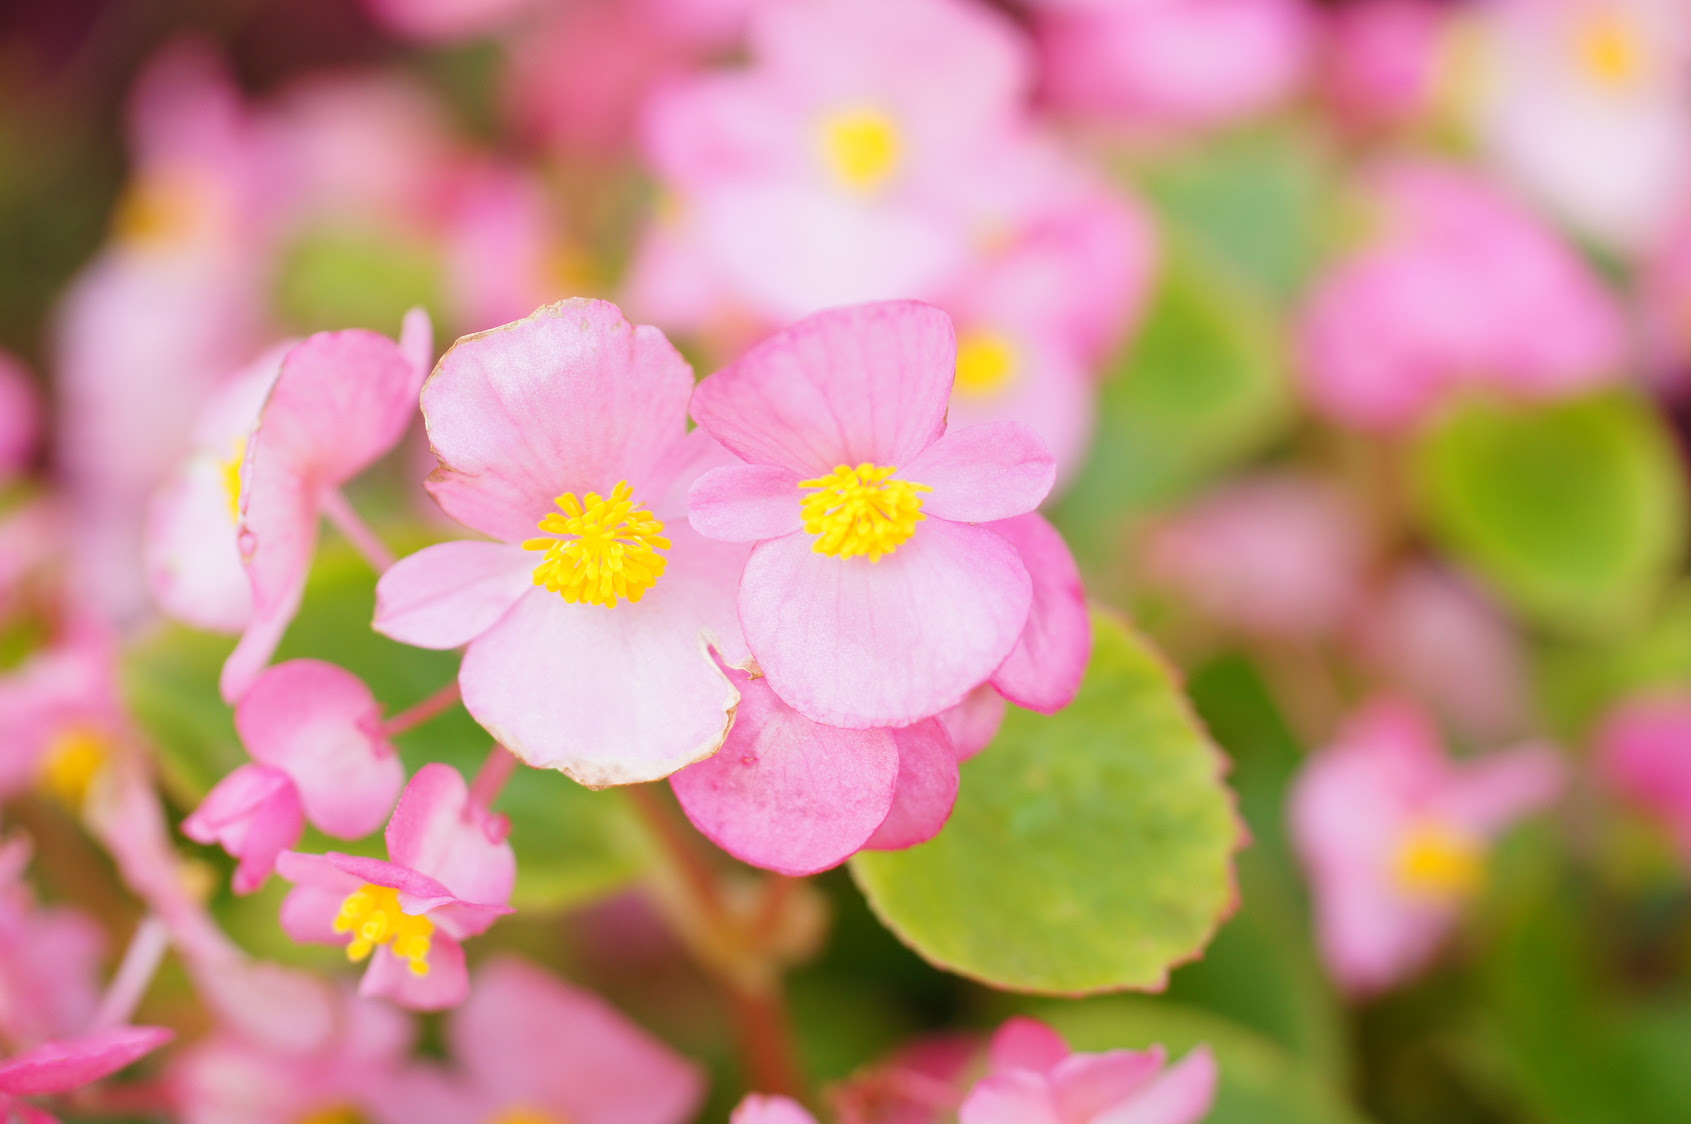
(1574,511)
(1089,851)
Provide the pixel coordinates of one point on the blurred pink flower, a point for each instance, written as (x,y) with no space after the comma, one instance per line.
(760,1109)
(66,1065)
(20,417)
(63,718)
(871,599)
(446,21)
(1172,64)
(1394,836)
(1458,287)
(341,402)
(1664,310)
(1644,756)
(1384,59)
(49,960)
(590,656)
(529,1046)
(449,878)
(319,755)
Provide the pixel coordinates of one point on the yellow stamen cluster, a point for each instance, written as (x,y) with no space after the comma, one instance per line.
(861,510)
(522,1115)
(1611,49)
(612,552)
(986,364)
(73,758)
(1439,862)
(231,469)
(861,147)
(333,1114)
(373,916)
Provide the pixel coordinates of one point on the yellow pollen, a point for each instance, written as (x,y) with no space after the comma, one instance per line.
(75,755)
(167,207)
(1610,49)
(1436,861)
(333,1114)
(521,1115)
(231,469)
(986,364)
(612,552)
(861,146)
(854,511)
(373,916)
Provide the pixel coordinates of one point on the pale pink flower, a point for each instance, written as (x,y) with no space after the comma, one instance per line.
(64,1066)
(1459,287)
(528,1046)
(319,756)
(341,402)
(1644,755)
(1172,64)
(874,597)
(563,437)
(49,960)
(1394,836)
(760,1109)
(449,878)
(20,417)
(63,718)
(1035,1079)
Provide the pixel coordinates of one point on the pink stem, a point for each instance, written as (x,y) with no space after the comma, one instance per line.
(491,778)
(357,532)
(436,704)
(146,951)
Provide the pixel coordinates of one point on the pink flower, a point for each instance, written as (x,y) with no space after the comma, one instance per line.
(1394,836)
(319,753)
(445,21)
(1644,755)
(64,721)
(873,597)
(1172,64)
(1664,308)
(55,1068)
(49,960)
(563,436)
(340,403)
(1460,287)
(20,417)
(759,1109)
(1035,1079)
(1384,59)
(449,879)
(531,1047)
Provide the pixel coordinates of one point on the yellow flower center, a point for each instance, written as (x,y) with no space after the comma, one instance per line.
(611,550)
(231,469)
(1436,861)
(522,1115)
(861,147)
(168,207)
(1611,50)
(373,916)
(986,364)
(861,510)
(74,756)
(333,1114)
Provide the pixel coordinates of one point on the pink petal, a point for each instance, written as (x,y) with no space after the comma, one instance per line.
(193,563)
(854,643)
(785,793)
(436,831)
(446,985)
(1016,1096)
(446,595)
(926,789)
(321,725)
(614,694)
(1183,1095)
(1494,791)
(984,472)
(745,503)
(1044,670)
(277,538)
(759,1109)
(572,399)
(867,383)
(309,910)
(69,1064)
(974,722)
(1086,1085)
(416,342)
(540,1042)
(254,813)
(1027,1043)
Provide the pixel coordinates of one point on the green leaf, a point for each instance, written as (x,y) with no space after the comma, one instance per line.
(333,279)
(1573,511)
(1089,851)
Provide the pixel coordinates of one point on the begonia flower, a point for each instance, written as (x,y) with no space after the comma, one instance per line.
(874,597)
(1036,1079)
(64,1066)
(341,402)
(20,417)
(1384,59)
(563,436)
(448,878)
(64,720)
(319,756)
(760,1109)
(1644,756)
(529,1047)
(49,960)
(1394,836)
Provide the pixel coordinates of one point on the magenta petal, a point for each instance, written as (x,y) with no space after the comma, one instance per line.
(1016,1096)
(974,722)
(1044,670)
(447,595)
(1088,1085)
(446,985)
(855,643)
(785,793)
(69,1064)
(984,472)
(926,790)
(437,832)
(866,383)
(1182,1095)
(1026,1043)
(254,813)
(745,503)
(572,399)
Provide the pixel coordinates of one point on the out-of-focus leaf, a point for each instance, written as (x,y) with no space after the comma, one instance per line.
(169,682)
(1580,679)
(1260,1082)
(344,279)
(1091,850)
(1574,512)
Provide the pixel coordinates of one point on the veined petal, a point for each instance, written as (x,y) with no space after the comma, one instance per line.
(1044,670)
(745,503)
(446,595)
(926,788)
(984,472)
(436,832)
(193,563)
(278,537)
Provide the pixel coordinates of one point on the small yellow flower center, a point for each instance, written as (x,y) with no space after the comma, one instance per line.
(1611,50)
(861,147)
(522,1115)
(333,1114)
(986,364)
(373,916)
(167,208)
(74,756)
(610,552)
(1438,862)
(861,510)
(231,469)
